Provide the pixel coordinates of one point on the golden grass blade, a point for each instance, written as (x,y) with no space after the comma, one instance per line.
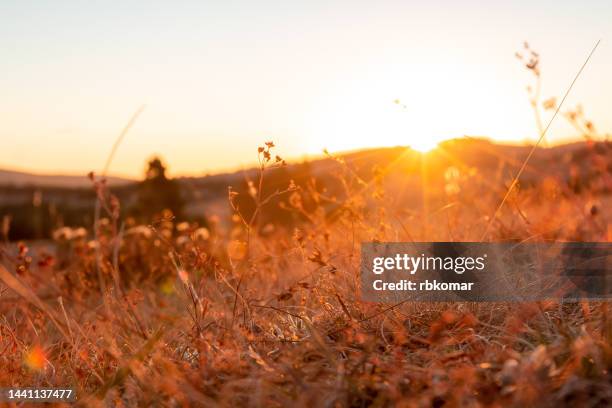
(124,371)
(535,146)
(25,292)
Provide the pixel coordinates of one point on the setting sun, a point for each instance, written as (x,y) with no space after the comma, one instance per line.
(423,145)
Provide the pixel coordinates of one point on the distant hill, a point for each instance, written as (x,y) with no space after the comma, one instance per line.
(479,153)
(21,179)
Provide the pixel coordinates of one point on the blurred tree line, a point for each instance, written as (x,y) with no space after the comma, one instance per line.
(30,212)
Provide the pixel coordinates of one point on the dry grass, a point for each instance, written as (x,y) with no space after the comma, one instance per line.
(264,315)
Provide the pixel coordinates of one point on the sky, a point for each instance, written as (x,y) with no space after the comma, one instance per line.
(220,78)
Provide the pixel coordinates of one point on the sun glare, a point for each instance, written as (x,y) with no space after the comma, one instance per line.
(369,123)
(423,145)
(387,107)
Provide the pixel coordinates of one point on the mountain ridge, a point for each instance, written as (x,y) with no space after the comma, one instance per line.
(23,178)
(18,178)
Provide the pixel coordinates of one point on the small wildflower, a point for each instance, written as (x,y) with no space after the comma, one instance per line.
(252,189)
(182,240)
(183,276)
(140,230)
(62,234)
(182,226)
(237,249)
(79,233)
(201,233)
(550,103)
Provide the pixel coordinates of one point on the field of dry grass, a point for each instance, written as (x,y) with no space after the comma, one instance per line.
(258,314)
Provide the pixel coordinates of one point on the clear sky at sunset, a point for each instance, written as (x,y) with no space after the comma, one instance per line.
(219,78)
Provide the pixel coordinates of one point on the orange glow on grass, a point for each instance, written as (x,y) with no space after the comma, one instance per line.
(36,359)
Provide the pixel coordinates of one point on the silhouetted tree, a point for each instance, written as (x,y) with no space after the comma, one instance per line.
(157,192)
